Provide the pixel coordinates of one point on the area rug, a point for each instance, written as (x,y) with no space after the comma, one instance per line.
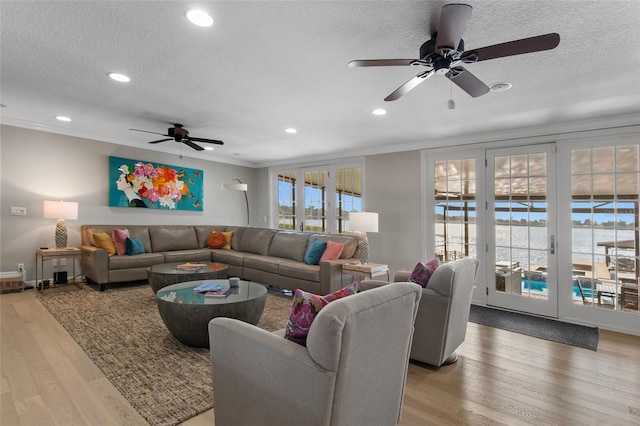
(120,329)
(543,328)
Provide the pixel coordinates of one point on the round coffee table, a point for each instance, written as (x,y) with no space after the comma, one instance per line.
(187,313)
(165,274)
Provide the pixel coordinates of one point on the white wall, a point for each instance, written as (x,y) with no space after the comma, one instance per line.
(392,189)
(38,166)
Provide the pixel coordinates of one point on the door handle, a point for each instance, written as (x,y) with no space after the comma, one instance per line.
(553,244)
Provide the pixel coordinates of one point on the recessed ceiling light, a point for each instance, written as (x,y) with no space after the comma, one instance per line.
(119,77)
(62,118)
(290,130)
(379,111)
(200,18)
(500,87)
(208,148)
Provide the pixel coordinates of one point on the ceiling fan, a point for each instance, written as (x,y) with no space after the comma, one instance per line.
(179,134)
(444,53)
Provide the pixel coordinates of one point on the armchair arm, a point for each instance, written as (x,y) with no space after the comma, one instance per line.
(278,377)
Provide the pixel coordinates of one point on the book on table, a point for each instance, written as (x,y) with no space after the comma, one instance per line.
(221,293)
(203,288)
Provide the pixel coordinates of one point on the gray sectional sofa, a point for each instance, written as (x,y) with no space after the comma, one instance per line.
(267,256)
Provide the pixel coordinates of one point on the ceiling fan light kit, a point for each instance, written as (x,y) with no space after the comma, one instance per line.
(444,54)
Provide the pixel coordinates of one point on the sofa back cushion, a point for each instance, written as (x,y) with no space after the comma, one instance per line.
(289,245)
(350,243)
(256,240)
(172,237)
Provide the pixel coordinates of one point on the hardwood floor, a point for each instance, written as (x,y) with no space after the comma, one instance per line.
(500,378)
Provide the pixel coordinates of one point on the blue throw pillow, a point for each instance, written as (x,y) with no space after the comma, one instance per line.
(134,246)
(314,252)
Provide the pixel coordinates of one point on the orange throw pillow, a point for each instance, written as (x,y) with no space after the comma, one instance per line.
(216,240)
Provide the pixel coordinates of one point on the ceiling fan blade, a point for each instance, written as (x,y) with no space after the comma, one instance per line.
(161,140)
(511,48)
(206,140)
(380,62)
(409,85)
(467,82)
(453,23)
(146,131)
(192,145)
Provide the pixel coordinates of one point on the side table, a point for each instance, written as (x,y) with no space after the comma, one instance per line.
(366,270)
(43,254)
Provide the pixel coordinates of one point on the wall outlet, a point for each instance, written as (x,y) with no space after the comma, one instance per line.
(18,211)
(22,271)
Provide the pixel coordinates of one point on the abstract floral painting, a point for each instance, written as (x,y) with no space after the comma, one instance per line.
(136,183)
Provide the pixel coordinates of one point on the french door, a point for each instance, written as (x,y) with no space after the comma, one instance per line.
(521,229)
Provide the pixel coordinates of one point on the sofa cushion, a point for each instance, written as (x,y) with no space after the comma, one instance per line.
(423,272)
(131,262)
(216,240)
(262,263)
(314,252)
(119,237)
(256,240)
(299,270)
(304,309)
(332,252)
(134,246)
(228,257)
(289,245)
(350,243)
(104,241)
(173,237)
(195,255)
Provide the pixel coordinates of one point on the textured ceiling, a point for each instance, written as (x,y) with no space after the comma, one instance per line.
(264,66)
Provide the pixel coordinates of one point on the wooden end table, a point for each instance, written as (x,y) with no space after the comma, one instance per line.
(366,270)
(43,254)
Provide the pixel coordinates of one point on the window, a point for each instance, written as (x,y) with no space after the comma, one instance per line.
(604,214)
(321,201)
(455,208)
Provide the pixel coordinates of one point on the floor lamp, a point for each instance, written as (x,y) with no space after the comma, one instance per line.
(61,210)
(363,222)
(237,185)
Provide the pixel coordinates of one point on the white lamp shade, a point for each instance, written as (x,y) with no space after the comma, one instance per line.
(234,186)
(60,210)
(363,221)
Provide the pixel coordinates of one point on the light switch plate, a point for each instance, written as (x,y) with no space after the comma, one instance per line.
(18,211)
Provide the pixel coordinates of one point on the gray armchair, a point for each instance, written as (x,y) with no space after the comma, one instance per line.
(352,371)
(441,323)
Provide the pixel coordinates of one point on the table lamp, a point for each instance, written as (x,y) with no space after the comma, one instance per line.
(61,210)
(363,222)
(237,185)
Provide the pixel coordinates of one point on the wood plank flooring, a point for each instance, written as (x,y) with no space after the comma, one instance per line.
(500,378)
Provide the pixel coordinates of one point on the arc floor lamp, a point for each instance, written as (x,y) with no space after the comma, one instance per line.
(237,185)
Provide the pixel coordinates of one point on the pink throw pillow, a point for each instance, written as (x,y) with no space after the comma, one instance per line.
(423,271)
(332,252)
(119,237)
(304,309)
